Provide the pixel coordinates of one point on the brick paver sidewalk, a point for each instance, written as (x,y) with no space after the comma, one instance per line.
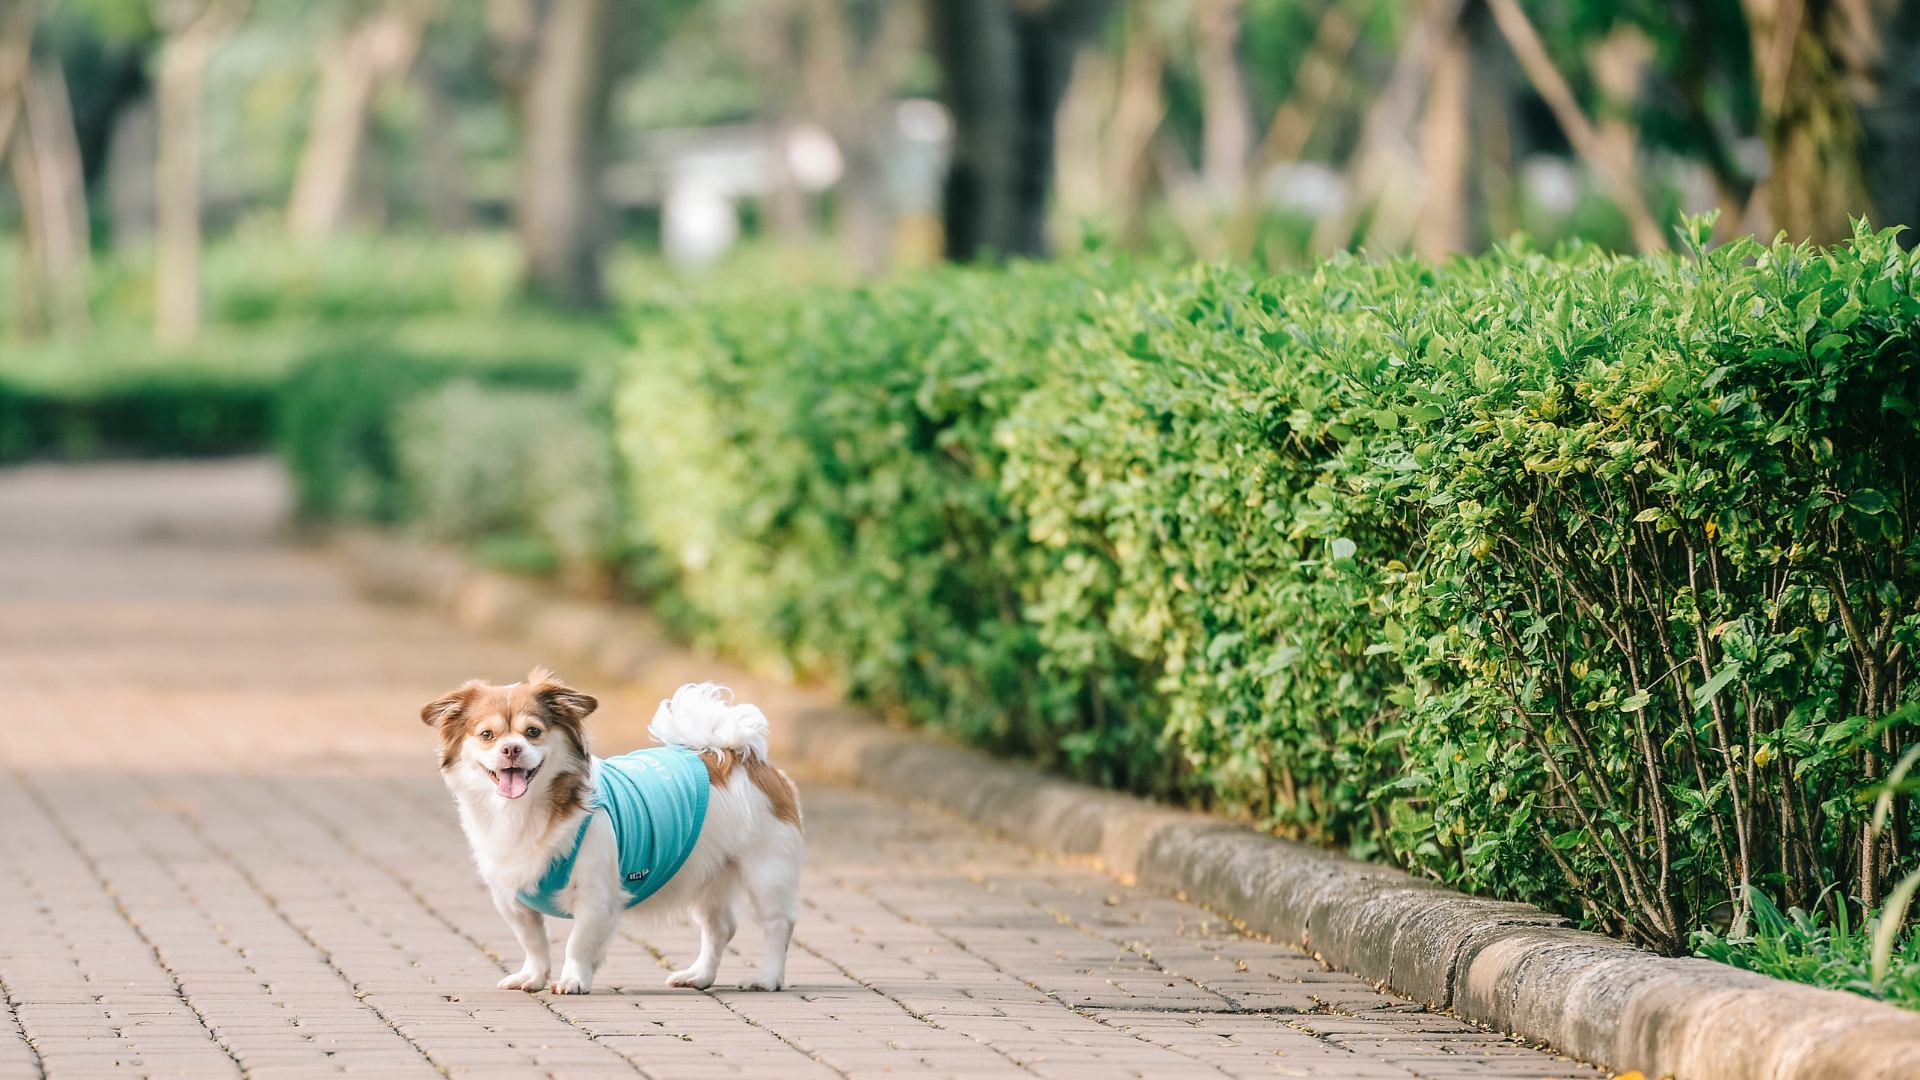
(224,851)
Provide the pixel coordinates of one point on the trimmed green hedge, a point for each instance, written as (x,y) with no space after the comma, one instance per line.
(820,480)
(504,445)
(1580,580)
(339,424)
(168,417)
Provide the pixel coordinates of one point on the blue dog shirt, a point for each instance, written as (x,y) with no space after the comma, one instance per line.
(657,799)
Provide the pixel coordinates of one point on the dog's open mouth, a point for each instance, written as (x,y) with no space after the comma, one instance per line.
(512,783)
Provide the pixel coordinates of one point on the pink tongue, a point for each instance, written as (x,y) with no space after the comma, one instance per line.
(512,783)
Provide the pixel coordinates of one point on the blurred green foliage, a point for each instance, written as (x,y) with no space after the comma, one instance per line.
(318,342)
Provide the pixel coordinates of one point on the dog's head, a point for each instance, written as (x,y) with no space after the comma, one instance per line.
(512,735)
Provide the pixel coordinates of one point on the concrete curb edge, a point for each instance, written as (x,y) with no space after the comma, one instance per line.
(1509,966)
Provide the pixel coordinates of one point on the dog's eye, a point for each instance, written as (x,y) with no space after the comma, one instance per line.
(486,736)
(533,733)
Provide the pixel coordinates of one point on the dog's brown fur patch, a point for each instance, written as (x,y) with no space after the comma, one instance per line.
(776,785)
(719,766)
(779,789)
(567,794)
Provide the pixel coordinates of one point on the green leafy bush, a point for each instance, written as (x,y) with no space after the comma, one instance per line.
(818,477)
(1574,579)
(1666,581)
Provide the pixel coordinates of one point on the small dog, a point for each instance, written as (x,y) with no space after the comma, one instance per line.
(685,826)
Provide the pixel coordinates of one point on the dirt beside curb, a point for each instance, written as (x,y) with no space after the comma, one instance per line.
(1509,966)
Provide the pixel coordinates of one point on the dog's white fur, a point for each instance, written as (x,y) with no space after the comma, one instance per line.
(743,847)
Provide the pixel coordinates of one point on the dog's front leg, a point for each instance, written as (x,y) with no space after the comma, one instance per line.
(598,901)
(593,927)
(532,932)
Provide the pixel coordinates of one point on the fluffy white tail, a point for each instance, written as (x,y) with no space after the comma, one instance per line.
(704,716)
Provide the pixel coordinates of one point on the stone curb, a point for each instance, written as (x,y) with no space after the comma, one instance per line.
(1508,966)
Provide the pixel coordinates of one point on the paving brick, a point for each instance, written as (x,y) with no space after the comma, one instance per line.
(224,852)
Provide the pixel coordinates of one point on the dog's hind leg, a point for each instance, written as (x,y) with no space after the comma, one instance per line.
(774,886)
(713,912)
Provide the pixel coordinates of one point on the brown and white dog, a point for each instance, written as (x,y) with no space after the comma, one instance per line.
(517,761)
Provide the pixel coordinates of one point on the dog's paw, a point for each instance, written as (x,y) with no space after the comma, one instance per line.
(524,980)
(571,984)
(696,979)
(762,983)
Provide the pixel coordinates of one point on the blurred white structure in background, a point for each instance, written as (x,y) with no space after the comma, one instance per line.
(916,155)
(1310,188)
(812,158)
(697,224)
(697,176)
(1552,183)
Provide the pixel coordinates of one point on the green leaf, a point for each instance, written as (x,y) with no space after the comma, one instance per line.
(1867,501)
(1705,695)
(1848,314)
(1343,548)
(1880,293)
(1829,345)
(1635,703)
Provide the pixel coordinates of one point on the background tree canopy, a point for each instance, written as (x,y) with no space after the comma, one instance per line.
(1261,129)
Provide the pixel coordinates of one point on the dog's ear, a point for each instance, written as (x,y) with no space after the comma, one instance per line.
(453,706)
(559,698)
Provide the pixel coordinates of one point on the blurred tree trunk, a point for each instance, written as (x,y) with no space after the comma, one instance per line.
(1613,162)
(131,155)
(16,49)
(556,59)
(1493,73)
(1805,54)
(379,49)
(1890,119)
(445,176)
(1080,123)
(1617,64)
(1005,67)
(1293,121)
(1694,75)
(770,37)
(1384,175)
(1137,116)
(849,84)
(53,206)
(1189,202)
(1442,227)
(1226,136)
(194,29)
